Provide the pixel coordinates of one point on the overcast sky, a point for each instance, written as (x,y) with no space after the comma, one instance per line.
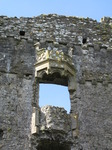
(95,9)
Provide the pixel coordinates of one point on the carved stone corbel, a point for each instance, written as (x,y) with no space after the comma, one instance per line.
(50,62)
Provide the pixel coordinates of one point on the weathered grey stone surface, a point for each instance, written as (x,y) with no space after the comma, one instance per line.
(15,112)
(95,116)
(16,93)
(54,118)
(89,43)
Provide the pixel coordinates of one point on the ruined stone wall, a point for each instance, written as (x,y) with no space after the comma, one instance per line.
(91,44)
(92,99)
(58,28)
(95,115)
(54,118)
(16,93)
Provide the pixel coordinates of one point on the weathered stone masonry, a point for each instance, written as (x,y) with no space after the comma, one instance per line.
(88,45)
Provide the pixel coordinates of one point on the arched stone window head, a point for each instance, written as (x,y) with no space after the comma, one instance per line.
(55,67)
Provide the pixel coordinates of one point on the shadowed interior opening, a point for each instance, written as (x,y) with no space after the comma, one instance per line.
(54,78)
(22,33)
(52,145)
(1,134)
(84,40)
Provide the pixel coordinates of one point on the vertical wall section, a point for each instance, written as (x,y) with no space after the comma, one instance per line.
(95,116)
(16,93)
(92,100)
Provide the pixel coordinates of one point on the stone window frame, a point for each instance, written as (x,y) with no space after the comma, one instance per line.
(48,64)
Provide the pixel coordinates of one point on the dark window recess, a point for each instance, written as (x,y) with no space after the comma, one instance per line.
(84,40)
(52,145)
(1,134)
(22,33)
(27,75)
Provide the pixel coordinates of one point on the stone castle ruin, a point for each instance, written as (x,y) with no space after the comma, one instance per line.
(70,51)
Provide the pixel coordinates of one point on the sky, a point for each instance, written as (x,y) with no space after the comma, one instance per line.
(54,95)
(95,9)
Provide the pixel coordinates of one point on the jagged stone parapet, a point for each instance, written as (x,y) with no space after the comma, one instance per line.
(58,28)
(55,119)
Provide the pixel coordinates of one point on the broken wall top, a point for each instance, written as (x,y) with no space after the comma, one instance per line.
(58,29)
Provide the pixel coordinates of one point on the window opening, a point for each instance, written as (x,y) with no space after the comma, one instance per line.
(84,40)
(55,95)
(22,33)
(1,134)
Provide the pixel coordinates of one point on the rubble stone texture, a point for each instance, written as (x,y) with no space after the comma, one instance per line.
(89,44)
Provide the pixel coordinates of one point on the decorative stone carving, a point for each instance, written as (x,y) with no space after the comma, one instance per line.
(50,62)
